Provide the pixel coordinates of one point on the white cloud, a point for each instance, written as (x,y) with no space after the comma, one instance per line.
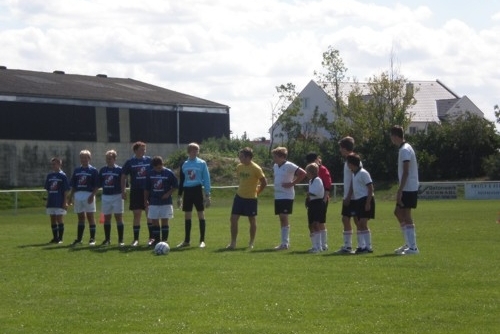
(236,52)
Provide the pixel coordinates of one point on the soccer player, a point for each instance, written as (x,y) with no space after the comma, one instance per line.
(286,176)
(363,202)
(346,147)
(160,184)
(316,207)
(407,195)
(194,181)
(112,201)
(325,177)
(137,167)
(252,182)
(84,186)
(57,186)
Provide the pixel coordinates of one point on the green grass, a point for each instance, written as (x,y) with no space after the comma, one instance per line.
(451,287)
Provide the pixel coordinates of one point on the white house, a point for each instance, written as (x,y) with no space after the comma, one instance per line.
(435,103)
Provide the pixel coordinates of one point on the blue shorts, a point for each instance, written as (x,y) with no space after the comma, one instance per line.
(244,206)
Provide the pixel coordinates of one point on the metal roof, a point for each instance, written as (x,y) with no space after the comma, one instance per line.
(434,99)
(23,85)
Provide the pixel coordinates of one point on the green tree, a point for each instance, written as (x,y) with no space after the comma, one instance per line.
(369,116)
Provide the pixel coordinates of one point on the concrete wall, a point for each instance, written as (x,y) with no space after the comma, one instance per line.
(25,163)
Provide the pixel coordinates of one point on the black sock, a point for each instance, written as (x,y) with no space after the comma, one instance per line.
(107,230)
(60,230)
(202,229)
(120,228)
(81,229)
(54,231)
(137,229)
(92,229)
(164,232)
(187,230)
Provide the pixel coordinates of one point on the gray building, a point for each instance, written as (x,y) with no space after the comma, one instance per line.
(57,114)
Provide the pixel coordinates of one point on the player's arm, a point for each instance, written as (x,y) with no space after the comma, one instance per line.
(404,178)
(262,185)
(123,182)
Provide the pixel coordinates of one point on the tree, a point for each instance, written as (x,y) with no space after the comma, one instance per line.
(369,116)
(285,111)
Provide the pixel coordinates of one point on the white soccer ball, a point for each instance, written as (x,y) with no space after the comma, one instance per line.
(162,248)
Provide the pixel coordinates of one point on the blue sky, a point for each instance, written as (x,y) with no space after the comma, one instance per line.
(237,52)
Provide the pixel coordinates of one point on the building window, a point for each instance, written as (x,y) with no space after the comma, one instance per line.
(413,130)
(305,103)
(113,125)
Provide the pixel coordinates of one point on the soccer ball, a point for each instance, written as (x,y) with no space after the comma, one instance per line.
(162,248)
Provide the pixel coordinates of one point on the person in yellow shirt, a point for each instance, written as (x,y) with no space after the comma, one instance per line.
(252,182)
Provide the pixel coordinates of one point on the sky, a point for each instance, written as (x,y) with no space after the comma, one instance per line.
(236,52)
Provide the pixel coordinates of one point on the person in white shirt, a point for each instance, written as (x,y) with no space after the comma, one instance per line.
(363,202)
(286,176)
(316,207)
(407,194)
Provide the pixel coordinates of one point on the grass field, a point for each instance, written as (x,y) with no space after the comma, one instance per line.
(451,287)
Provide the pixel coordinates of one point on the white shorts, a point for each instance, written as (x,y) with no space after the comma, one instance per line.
(161,211)
(112,204)
(81,202)
(56,211)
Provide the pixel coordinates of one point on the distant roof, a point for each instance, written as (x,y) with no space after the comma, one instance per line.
(434,99)
(57,85)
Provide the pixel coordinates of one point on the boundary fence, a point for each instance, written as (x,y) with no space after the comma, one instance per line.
(470,190)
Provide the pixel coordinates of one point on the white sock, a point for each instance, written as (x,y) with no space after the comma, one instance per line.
(368,239)
(312,239)
(405,236)
(285,235)
(317,240)
(411,237)
(324,236)
(361,239)
(347,239)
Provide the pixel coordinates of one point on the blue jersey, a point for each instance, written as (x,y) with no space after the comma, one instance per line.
(138,169)
(110,180)
(159,183)
(85,179)
(56,185)
(194,172)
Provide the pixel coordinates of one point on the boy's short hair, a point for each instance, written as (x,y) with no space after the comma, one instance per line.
(56,160)
(138,144)
(347,143)
(193,146)
(247,152)
(312,168)
(311,157)
(397,131)
(280,152)
(111,153)
(85,152)
(157,161)
(353,159)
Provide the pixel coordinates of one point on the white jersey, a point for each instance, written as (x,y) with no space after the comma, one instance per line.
(360,180)
(347,178)
(284,174)
(316,189)
(406,153)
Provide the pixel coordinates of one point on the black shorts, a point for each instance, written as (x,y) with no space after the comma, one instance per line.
(349,210)
(193,196)
(316,211)
(409,200)
(283,206)
(136,199)
(244,206)
(359,207)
